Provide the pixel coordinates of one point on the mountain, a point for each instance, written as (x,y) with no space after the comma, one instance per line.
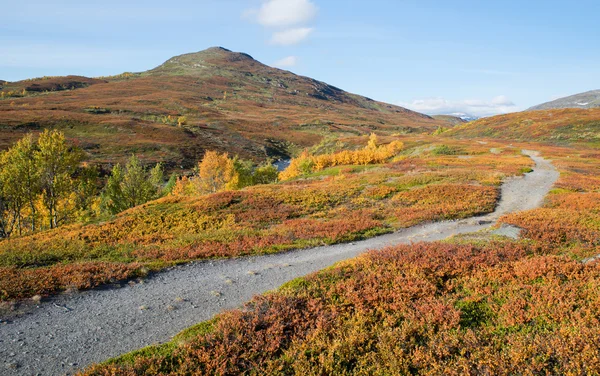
(215,99)
(589,99)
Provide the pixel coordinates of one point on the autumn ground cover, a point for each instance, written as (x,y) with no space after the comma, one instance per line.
(482,305)
(502,308)
(424,182)
(567,126)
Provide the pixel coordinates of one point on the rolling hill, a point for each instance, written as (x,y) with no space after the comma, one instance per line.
(589,99)
(214,99)
(558,126)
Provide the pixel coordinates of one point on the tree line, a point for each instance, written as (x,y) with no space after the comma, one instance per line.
(44,183)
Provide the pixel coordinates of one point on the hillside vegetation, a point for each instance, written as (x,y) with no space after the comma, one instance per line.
(322,205)
(553,127)
(472,304)
(211,100)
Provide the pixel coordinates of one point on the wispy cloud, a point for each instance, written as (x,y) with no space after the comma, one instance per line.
(475,107)
(286,62)
(283,13)
(291,36)
(288,17)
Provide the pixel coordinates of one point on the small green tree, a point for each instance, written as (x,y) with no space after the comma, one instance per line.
(135,185)
(168,189)
(86,192)
(243,168)
(112,200)
(57,163)
(265,174)
(20,178)
(132,186)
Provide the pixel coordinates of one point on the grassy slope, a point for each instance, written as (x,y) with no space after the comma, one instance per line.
(232,103)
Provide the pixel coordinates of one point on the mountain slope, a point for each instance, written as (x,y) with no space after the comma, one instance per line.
(228,101)
(560,126)
(589,99)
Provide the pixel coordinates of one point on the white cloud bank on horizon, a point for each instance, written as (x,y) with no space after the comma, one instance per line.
(291,36)
(475,107)
(286,62)
(284,15)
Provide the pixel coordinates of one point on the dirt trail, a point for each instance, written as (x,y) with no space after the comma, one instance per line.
(71,331)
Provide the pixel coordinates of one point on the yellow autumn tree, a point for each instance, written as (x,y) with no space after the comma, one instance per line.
(373,142)
(301,165)
(216,172)
(186,187)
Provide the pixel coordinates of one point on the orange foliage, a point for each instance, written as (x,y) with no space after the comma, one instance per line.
(372,154)
(216,173)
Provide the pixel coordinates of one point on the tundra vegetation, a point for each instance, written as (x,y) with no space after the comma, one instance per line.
(229,208)
(476,304)
(468,305)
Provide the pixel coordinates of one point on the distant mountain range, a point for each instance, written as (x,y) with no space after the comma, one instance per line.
(589,99)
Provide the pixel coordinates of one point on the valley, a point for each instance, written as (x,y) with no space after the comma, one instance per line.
(147,231)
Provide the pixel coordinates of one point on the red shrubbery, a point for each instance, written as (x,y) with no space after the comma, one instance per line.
(421,309)
(18,283)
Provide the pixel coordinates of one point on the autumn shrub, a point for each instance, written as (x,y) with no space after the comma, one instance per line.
(18,283)
(371,154)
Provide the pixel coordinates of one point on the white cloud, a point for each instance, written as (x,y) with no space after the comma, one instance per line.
(502,100)
(475,107)
(291,36)
(286,62)
(288,17)
(283,13)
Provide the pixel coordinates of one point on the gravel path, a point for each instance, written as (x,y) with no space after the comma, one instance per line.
(71,331)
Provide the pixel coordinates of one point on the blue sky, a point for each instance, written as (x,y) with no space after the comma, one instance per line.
(480,57)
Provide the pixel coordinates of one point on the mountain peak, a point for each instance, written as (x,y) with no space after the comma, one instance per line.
(194,63)
(221,51)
